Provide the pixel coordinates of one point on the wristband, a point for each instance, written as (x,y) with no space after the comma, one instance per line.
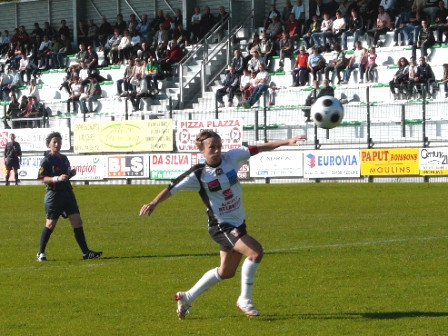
(55,179)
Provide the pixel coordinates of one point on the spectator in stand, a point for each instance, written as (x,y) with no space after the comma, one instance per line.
(237,62)
(24,69)
(53,50)
(412,75)
(15,36)
(5,80)
(400,79)
(274,30)
(286,49)
(389,8)
(16,82)
(92,34)
(182,36)
(266,49)
(300,73)
(413,27)
(317,11)
(315,94)
(83,32)
(292,27)
(286,12)
(120,24)
(404,7)
(423,76)
(425,40)
(84,75)
(136,41)
(132,23)
(64,30)
(111,48)
(262,80)
(316,62)
(383,25)
(141,91)
(326,29)
(229,87)
(93,93)
(207,21)
(369,11)
(358,60)
(104,32)
(33,90)
(253,45)
(12,112)
(339,28)
(160,18)
(76,91)
(44,50)
(49,31)
(244,86)
(124,48)
(18,51)
(196,25)
(36,35)
(24,107)
(178,18)
(445,79)
(162,51)
(339,64)
(299,14)
(254,64)
(82,54)
(331,7)
(174,55)
(441,23)
(25,39)
(92,59)
(371,64)
(153,73)
(125,81)
(72,72)
(343,8)
(5,40)
(273,12)
(355,29)
(144,27)
(145,52)
(168,23)
(9,54)
(59,59)
(160,35)
(313,28)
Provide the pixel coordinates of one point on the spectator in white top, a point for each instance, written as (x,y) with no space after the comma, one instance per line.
(382,27)
(196,25)
(358,60)
(23,69)
(76,90)
(33,90)
(244,85)
(326,28)
(84,74)
(338,28)
(124,47)
(254,63)
(141,91)
(263,79)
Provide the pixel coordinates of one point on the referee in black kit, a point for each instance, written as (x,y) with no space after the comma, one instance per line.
(59,199)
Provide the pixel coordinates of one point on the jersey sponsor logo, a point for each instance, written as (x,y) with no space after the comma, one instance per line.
(235,232)
(214,185)
(228,194)
(232,176)
(219,171)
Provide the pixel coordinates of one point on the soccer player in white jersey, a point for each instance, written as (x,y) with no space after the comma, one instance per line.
(217,183)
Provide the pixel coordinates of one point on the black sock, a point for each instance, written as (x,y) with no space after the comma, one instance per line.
(44,238)
(16,176)
(7,178)
(81,239)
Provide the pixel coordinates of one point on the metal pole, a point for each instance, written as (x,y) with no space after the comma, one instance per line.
(216,108)
(425,138)
(171,108)
(203,75)
(256,125)
(369,139)
(265,119)
(403,121)
(126,114)
(181,85)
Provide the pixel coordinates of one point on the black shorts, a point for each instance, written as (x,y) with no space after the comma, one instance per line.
(227,235)
(12,163)
(57,202)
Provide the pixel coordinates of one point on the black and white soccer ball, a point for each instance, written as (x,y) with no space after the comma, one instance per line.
(327,112)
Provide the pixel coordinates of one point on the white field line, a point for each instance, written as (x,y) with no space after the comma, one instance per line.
(158,259)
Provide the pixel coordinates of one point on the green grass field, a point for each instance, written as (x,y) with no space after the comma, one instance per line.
(340,259)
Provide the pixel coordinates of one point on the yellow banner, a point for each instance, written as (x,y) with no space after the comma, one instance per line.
(389,161)
(124,136)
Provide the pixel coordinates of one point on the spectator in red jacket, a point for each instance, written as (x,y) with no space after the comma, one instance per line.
(173,55)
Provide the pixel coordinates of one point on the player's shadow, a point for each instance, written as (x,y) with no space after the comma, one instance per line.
(174,256)
(356,316)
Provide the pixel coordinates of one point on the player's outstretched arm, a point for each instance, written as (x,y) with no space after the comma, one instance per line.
(294,141)
(149,208)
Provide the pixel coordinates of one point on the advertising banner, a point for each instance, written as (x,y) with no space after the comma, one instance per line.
(277,164)
(88,167)
(124,136)
(389,161)
(29,168)
(127,166)
(230,131)
(33,139)
(433,161)
(168,166)
(331,163)
(243,172)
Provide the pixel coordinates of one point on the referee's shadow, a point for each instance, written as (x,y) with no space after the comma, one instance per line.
(174,256)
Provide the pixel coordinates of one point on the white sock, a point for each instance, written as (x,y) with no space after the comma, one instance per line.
(248,272)
(209,279)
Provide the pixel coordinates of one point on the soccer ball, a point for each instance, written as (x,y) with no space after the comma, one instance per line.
(327,112)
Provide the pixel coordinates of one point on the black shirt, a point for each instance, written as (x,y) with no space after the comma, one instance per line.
(55,165)
(13,150)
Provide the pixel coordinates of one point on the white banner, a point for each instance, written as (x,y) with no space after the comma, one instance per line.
(433,161)
(127,166)
(87,167)
(33,139)
(230,130)
(331,163)
(29,168)
(168,166)
(276,164)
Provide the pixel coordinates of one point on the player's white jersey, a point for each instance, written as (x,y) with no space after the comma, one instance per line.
(219,187)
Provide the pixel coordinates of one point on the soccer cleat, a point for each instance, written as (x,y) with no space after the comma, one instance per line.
(183,307)
(92,255)
(41,257)
(247,307)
